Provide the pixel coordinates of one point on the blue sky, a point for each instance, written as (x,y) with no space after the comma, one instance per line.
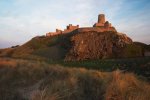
(21,20)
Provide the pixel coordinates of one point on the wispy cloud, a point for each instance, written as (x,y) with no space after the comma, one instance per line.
(20,20)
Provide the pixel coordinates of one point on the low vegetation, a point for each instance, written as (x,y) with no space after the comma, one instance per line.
(38,48)
(59,46)
(139,66)
(37,80)
(133,50)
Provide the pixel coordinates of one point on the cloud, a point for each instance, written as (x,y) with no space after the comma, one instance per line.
(21,20)
(28,18)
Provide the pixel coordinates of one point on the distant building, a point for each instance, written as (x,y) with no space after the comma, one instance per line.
(71,27)
(100,26)
(101,22)
(58,31)
(68,29)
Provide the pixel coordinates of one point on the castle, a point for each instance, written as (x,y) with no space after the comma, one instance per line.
(101,22)
(100,26)
(68,29)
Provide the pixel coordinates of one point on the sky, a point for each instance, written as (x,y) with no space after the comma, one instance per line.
(21,20)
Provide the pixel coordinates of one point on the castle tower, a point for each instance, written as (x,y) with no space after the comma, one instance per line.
(101,18)
(106,25)
(101,21)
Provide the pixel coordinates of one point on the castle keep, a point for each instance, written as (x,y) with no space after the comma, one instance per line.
(101,22)
(100,26)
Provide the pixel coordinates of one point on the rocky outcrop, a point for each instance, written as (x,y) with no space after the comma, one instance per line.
(96,45)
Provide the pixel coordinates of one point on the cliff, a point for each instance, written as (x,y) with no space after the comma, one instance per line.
(97,45)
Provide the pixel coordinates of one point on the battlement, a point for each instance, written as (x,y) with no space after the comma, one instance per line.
(71,27)
(100,26)
(68,29)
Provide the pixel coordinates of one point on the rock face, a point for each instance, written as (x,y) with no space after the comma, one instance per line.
(96,45)
(99,42)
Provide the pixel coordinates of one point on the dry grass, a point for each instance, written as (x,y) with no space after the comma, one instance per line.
(7,62)
(127,87)
(32,80)
(6,52)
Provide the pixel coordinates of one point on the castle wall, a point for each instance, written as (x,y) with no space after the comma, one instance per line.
(100,26)
(68,29)
(71,27)
(58,30)
(53,33)
(106,25)
(97,29)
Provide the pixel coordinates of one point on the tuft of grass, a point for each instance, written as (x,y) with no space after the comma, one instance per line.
(36,80)
(127,87)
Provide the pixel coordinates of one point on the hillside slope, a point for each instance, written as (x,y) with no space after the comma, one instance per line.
(144,46)
(38,48)
(77,46)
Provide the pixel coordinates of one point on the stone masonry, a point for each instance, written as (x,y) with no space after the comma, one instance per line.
(100,26)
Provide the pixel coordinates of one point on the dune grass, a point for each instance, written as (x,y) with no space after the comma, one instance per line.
(33,80)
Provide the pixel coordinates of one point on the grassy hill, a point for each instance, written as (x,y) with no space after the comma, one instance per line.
(144,46)
(132,50)
(39,48)
(33,80)
(57,48)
